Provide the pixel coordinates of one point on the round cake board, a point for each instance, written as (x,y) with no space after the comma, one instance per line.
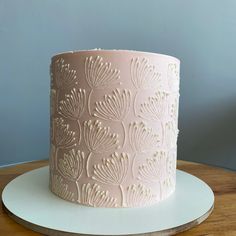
(28,200)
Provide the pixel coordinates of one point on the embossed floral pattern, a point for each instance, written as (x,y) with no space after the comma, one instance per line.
(141,139)
(139,195)
(113,126)
(98,139)
(61,136)
(62,74)
(60,188)
(71,167)
(113,171)
(143,76)
(73,106)
(115,107)
(154,171)
(156,108)
(99,74)
(92,195)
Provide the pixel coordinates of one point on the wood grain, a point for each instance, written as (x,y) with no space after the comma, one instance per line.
(222,221)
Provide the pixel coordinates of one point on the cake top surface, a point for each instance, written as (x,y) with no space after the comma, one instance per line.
(118,51)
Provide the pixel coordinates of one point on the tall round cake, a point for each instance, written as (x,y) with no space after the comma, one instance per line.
(114,127)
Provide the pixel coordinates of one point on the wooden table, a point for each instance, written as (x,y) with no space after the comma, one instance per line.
(221,222)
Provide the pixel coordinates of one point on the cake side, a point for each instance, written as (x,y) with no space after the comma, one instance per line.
(114,127)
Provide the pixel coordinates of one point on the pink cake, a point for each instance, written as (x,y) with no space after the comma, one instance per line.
(114,127)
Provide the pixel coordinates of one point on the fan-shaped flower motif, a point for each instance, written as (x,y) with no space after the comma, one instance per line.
(98,139)
(61,136)
(173,77)
(92,195)
(154,171)
(141,139)
(156,107)
(71,165)
(63,75)
(73,106)
(139,195)
(60,188)
(113,171)
(114,107)
(155,168)
(143,74)
(99,74)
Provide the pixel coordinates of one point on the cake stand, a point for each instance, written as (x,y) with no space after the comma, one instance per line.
(28,200)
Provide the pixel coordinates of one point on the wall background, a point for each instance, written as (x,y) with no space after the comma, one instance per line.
(202,34)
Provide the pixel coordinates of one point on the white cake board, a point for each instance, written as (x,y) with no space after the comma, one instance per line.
(28,200)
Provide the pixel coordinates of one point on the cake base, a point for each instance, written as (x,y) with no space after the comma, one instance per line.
(28,200)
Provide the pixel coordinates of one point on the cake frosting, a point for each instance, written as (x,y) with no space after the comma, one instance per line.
(114,127)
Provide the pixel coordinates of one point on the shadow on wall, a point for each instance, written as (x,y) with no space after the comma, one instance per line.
(210,136)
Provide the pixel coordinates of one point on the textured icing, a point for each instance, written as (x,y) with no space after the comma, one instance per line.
(115,106)
(60,188)
(99,74)
(72,107)
(143,76)
(114,127)
(113,171)
(98,139)
(139,195)
(92,195)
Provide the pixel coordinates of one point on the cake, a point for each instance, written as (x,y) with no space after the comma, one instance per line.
(113,127)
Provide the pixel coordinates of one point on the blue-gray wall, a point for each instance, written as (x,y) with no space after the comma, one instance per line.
(201,33)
